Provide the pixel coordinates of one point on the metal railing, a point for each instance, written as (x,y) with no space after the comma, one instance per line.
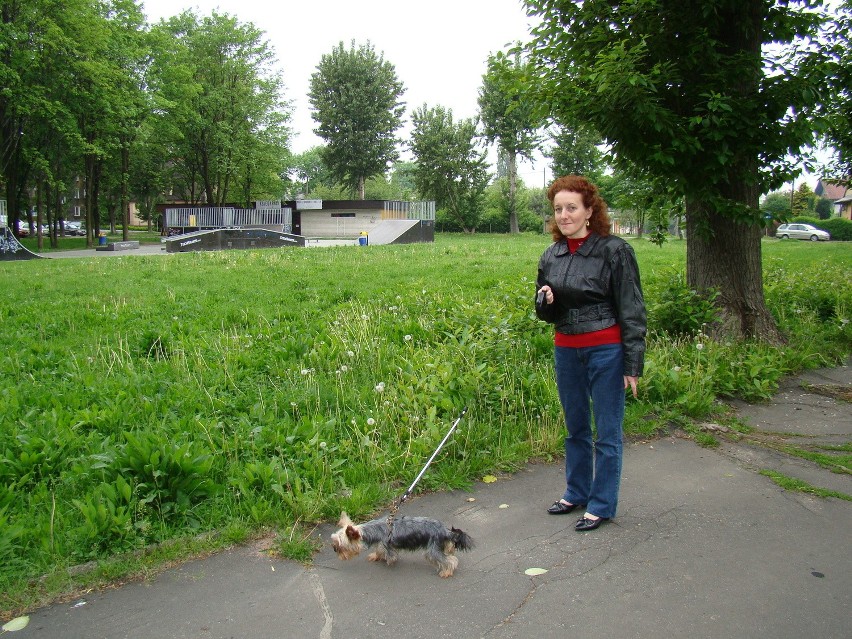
(216,217)
(399,210)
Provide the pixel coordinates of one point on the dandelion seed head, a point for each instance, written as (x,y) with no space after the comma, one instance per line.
(699,346)
(371,421)
(323,445)
(380,387)
(350,353)
(407,338)
(305,371)
(344,368)
(676,369)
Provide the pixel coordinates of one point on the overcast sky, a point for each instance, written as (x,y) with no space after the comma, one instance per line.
(439,48)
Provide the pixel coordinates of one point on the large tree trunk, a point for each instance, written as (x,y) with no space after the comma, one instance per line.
(723,251)
(513,192)
(92,224)
(725,255)
(125,199)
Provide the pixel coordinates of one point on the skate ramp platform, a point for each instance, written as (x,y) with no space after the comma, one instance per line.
(12,250)
(402,232)
(223,239)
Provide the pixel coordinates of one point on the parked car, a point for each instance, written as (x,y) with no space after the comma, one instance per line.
(74,228)
(801,232)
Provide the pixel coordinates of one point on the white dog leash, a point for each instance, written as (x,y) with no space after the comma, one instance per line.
(395,506)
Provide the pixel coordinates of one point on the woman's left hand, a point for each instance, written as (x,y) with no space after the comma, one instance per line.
(630,381)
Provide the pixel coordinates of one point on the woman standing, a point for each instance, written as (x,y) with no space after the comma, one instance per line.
(588,287)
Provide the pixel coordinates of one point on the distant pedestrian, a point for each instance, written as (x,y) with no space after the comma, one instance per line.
(588,287)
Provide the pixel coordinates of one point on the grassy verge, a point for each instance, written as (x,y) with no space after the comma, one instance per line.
(149,401)
(790,483)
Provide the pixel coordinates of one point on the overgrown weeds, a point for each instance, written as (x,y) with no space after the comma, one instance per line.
(152,399)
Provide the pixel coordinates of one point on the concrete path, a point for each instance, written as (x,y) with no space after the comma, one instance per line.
(703,547)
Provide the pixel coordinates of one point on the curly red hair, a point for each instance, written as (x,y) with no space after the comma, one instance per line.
(598,223)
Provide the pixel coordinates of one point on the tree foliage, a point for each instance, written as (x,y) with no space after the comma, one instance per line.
(450,166)
(689,93)
(839,130)
(96,104)
(355,96)
(224,106)
(576,151)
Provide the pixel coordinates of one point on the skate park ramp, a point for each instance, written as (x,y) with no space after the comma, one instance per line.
(402,232)
(222,239)
(11,249)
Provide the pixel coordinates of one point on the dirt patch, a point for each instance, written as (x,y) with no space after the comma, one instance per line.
(835,391)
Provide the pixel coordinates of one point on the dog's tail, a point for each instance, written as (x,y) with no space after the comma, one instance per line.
(461,539)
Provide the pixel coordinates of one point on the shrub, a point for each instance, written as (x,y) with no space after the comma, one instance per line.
(679,311)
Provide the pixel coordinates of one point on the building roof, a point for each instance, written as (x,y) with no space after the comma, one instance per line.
(830,190)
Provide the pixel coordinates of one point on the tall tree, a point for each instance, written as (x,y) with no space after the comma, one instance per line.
(355,96)
(509,118)
(687,91)
(839,132)
(223,100)
(450,166)
(38,48)
(310,170)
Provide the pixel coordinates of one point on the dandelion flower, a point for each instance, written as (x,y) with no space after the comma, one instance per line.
(380,387)
(350,353)
(407,338)
(699,346)
(305,371)
(323,445)
(371,421)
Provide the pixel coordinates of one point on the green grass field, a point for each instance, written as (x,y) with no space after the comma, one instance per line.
(155,406)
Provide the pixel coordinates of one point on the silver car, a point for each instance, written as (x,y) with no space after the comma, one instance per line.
(801,232)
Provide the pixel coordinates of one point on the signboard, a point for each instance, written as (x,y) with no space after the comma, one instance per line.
(308,205)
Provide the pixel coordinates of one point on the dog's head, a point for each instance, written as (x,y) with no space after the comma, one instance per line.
(346,541)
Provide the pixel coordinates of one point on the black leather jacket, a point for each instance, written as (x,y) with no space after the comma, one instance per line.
(595,288)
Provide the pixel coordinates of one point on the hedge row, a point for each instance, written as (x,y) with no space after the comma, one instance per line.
(839,228)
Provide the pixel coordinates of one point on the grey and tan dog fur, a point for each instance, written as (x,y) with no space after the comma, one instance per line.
(409,533)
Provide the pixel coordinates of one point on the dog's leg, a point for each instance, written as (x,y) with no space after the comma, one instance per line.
(443,560)
(385,553)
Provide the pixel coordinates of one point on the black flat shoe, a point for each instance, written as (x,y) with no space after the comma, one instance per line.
(558,508)
(589,524)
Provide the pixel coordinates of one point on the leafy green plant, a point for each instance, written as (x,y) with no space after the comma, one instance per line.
(678,311)
(108,514)
(166,476)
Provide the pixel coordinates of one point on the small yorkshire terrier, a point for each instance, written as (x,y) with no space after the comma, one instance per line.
(409,533)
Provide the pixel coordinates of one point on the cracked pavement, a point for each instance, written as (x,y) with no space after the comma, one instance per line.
(703,546)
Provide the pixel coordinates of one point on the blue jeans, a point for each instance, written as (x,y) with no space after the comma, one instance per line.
(587,377)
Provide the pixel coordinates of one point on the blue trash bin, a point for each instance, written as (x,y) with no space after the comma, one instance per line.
(102,240)
(362,241)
